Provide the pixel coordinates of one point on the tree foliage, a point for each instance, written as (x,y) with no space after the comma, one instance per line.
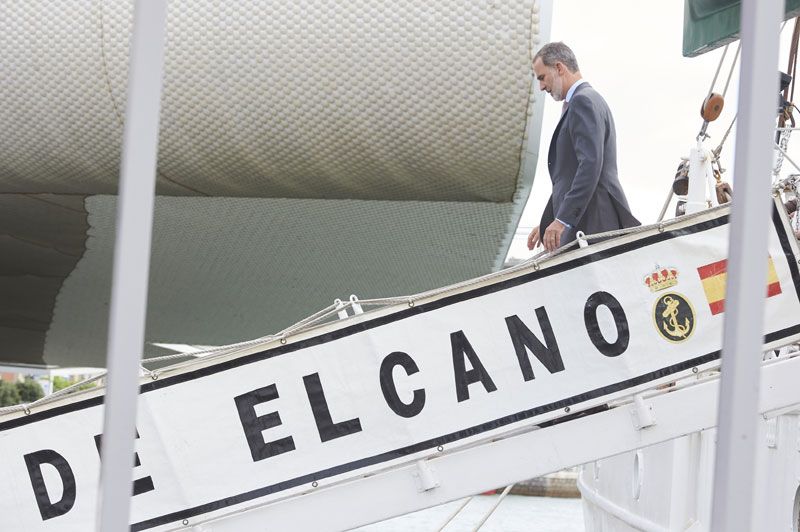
(59,383)
(9,394)
(29,390)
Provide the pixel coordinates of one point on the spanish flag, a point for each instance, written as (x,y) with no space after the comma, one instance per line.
(714,276)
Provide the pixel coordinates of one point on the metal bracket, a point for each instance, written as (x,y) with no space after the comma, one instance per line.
(582,242)
(340,310)
(772,433)
(642,413)
(356,306)
(425,476)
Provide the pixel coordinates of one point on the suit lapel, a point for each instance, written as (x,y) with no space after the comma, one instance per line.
(551,153)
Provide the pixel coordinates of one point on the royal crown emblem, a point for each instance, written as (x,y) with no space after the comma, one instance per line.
(661,279)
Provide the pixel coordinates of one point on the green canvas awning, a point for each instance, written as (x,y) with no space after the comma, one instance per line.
(709,24)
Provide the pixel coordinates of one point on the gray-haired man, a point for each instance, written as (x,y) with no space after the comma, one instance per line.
(582,160)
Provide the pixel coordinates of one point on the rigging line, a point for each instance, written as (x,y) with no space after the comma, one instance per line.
(454,514)
(26,407)
(169,357)
(666,204)
(496,504)
(733,66)
(719,67)
(793,54)
(716,151)
(790,71)
(234,349)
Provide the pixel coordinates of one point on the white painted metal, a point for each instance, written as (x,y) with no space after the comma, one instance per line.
(699,175)
(677,482)
(425,476)
(472,470)
(131,263)
(642,413)
(733,499)
(581,237)
(356,305)
(674,493)
(622,514)
(340,310)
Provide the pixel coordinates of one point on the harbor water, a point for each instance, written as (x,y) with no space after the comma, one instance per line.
(516,513)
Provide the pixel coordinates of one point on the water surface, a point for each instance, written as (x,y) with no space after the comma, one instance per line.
(516,513)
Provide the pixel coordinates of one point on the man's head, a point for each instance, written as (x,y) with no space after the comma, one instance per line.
(556,69)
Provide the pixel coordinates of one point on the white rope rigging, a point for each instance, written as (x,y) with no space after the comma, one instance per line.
(493,508)
(718,149)
(719,67)
(733,66)
(27,407)
(454,514)
(319,317)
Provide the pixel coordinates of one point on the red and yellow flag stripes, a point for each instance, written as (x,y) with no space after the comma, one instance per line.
(715,275)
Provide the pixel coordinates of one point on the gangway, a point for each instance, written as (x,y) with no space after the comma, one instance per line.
(591,352)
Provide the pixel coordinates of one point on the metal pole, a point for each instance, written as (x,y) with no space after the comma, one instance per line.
(131,263)
(734,470)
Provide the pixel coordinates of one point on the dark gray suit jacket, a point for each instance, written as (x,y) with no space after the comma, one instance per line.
(583,167)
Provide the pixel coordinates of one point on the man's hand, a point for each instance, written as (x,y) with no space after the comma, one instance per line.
(552,235)
(533,238)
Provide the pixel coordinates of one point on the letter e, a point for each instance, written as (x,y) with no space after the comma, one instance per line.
(253,425)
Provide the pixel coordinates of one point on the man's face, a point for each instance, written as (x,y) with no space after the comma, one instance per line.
(549,78)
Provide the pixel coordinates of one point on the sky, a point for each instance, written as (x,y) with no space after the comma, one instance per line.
(631,52)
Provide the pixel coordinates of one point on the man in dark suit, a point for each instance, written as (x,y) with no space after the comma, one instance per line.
(587,195)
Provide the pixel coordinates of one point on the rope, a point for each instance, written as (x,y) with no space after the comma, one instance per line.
(719,67)
(496,504)
(169,357)
(454,514)
(666,204)
(792,69)
(26,407)
(733,66)
(716,151)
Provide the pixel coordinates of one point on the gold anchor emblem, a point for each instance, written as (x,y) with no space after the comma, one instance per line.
(670,315)
(674,317)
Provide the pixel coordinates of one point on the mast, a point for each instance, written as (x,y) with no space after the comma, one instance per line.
(734,472)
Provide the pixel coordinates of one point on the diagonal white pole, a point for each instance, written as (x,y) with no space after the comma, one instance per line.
(131,263)
(734,470)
